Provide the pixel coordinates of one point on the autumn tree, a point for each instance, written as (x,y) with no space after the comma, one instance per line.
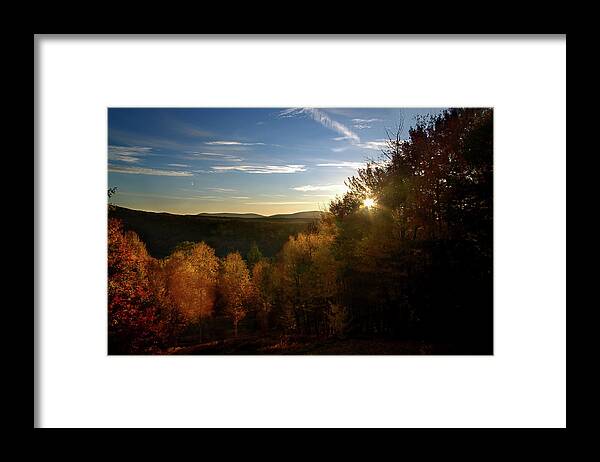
(235,288)
(134,323)
(420,263)
(347,204)
(310,277)
(192,273)
(264,291)
(338,319)
(253,256)
(173,320)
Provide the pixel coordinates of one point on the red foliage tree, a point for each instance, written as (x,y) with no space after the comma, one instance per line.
(134,324)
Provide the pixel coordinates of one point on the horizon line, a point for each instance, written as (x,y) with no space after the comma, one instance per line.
(217,213)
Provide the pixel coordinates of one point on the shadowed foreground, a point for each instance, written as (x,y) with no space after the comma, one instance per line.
(306,345)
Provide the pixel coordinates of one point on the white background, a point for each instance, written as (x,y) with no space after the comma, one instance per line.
(523,384)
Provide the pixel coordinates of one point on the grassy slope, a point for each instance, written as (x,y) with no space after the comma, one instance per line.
(162,231)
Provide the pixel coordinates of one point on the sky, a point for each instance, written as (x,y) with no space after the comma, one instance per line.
(263,160)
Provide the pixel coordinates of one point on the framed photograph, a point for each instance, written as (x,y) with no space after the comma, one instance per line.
(266,232)
(334,231)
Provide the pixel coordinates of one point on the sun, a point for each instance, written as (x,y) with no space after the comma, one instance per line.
(369,202)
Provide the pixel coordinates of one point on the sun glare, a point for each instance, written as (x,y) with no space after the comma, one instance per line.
(369,202)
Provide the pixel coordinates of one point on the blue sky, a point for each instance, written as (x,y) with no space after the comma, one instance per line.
(267,160)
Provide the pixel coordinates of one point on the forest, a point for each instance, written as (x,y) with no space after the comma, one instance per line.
(402,263)
(163,232)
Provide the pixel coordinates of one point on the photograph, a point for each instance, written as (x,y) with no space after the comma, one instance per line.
(300,231)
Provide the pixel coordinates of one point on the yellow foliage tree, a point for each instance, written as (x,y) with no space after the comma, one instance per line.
(192,275)
(310,277)
(262,282)
(236,288)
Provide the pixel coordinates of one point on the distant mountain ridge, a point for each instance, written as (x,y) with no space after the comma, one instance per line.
(307,214)
(230,215)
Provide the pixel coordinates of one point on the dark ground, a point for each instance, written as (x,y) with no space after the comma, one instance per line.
(286,345)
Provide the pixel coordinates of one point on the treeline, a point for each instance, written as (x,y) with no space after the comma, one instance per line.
(162,232)
(157,303)
(421,266)
(417,265)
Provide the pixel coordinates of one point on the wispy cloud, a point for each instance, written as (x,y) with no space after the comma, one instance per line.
(365,121)
(345,132)
(168,196)
(375,145)
(361,124)
(146,171)
(156,142)
(260,168)
(326,187)
(232,143)
(343,164)
(240,197)
(322,118)
(212,155)
(130,154)
(178,165)
(222,189)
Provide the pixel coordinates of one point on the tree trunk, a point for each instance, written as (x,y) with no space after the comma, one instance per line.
(235,328)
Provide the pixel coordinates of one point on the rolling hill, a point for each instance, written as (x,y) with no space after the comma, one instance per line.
(309,215)
(230,215)
(224,232)
(301,215)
